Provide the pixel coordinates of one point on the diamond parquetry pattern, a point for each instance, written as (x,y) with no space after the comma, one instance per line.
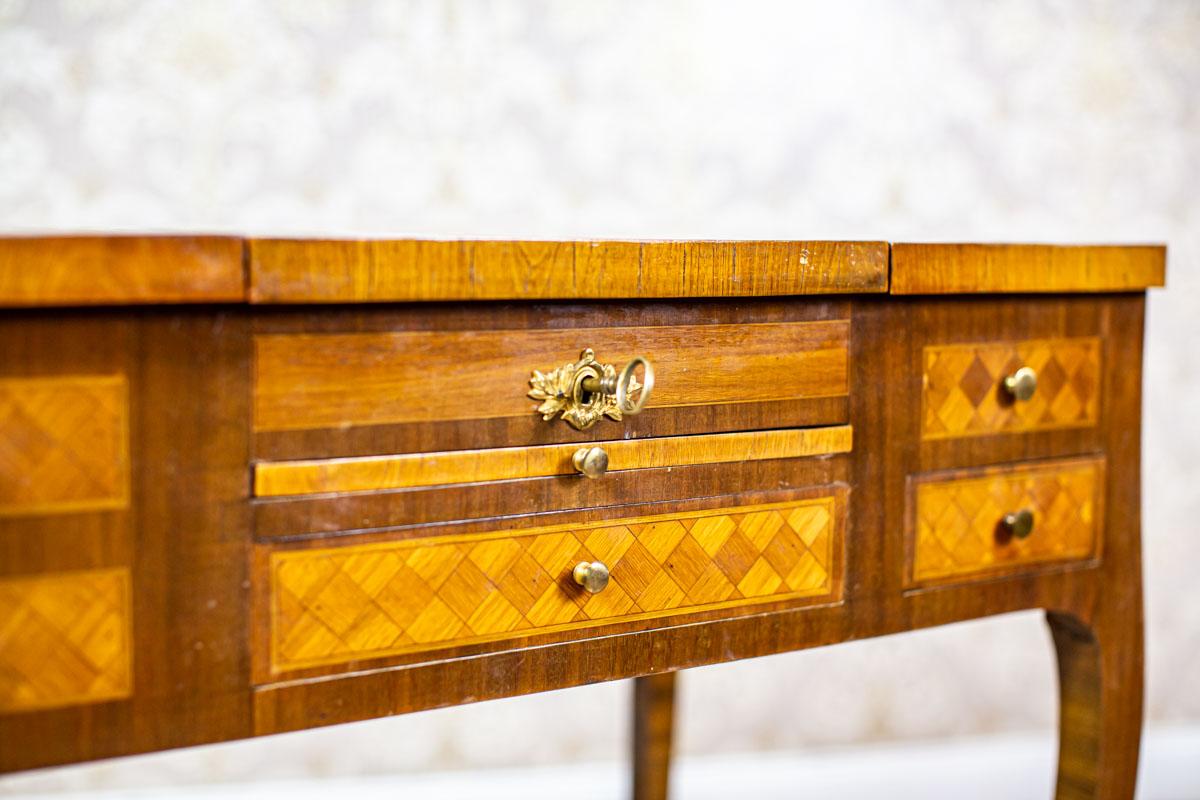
(64,639)
(964,393)
(65,444)
(340,604)
(958,531)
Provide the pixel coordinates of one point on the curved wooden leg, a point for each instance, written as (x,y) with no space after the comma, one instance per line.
(1100,704)
(653,720)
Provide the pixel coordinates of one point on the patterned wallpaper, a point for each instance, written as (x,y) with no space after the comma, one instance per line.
(1019,121)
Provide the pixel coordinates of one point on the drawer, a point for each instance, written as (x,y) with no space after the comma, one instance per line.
(419,470)
(322,496)
(494,587)
(972,524)
(987,388)
(375,390)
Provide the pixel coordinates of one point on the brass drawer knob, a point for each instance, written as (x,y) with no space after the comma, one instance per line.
(586,391)
(590,461)
(1021,384)
(1019,524)
(593,577)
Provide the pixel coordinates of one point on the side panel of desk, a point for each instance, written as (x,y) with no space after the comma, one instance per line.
(125,533)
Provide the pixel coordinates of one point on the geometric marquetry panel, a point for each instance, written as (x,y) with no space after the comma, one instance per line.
(334,605)
(65,639)
(957,525)
(64,444)
(965,396)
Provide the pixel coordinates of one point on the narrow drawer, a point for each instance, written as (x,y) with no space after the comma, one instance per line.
(421,470)
(971,524)
(490,588)
(991,388)
(317,497)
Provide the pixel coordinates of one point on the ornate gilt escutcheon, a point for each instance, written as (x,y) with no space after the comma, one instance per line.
(585,391)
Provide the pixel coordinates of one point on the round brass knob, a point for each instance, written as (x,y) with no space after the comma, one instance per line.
(1021,384)
(593,577)
(591,461)
(1019,524)
(627,384)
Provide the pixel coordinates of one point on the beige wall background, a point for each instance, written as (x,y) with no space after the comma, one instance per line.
(1017,121)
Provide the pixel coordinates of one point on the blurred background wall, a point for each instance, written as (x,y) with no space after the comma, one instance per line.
(933,120)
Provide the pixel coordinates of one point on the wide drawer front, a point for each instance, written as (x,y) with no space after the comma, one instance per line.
(977,523)
(709,377)
(1010,387)
(335,605)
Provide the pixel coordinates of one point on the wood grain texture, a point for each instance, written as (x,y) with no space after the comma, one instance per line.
(341,604)
(183,538)
(305,381)
(314,271)
(1100,705)
(189,532)
(109,270)
(65,444)
(65,639)
(964,391)
(653,725)
(525,503)
(981,268)
(375,473)
(957,530)
(529,428)
(983,321)
(886,346)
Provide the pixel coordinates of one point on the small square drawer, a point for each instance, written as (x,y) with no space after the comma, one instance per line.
(988,388)
(970,524)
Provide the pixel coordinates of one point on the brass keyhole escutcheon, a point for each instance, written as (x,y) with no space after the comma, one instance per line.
(586,391)
(1021,384)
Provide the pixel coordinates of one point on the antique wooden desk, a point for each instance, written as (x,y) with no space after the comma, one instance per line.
(250,486)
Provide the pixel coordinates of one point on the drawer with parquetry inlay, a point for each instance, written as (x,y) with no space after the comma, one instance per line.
(496,587)
(967,525)
(987,388)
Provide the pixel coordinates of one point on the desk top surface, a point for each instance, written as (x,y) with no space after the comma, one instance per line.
(138,270)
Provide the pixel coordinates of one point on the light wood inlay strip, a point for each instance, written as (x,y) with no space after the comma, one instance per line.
(284,478)
(99,270)
(334,605)
(294,270)
(978,268)
(334,380)
(65,639)
(64,445)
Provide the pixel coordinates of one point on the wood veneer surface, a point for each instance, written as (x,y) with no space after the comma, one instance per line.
(375,473)
(122,270)
(194,541)
(977,268)
(339,380)
(297,270)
